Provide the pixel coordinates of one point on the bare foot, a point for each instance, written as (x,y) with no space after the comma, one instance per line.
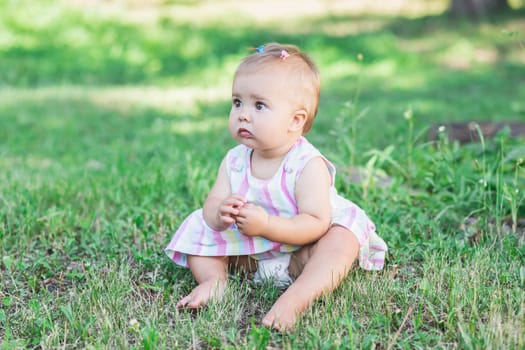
(203,293)
(283,314)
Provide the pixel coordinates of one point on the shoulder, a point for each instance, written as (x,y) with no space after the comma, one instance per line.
(305,154)
(236,157)
(303,151)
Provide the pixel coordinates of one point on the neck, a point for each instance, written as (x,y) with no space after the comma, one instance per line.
(276,153)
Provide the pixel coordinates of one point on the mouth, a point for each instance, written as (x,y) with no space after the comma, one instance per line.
(244,133)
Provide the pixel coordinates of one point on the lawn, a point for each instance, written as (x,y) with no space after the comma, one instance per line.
(113,123)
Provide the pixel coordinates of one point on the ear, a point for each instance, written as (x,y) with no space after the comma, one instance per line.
(299,119)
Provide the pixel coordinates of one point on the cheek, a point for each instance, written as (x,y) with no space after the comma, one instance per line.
(231,118)
(232,124)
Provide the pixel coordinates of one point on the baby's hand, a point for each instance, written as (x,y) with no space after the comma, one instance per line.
(252,220)
(229,209)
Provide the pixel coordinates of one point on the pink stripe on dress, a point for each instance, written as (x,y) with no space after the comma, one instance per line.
(269,202)
(221,243)
(243,189)
(284,189)
(198,240)
(177,257)
(251,246)
(176,237)
(379,248)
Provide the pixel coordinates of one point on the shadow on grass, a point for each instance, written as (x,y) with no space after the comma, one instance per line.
(445,70)
(75,49)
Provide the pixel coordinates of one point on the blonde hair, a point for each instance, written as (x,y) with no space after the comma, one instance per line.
(301,68)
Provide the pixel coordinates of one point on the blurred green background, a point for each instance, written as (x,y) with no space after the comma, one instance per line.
(179,56)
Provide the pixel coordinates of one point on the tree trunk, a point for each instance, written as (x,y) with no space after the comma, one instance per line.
(477,8)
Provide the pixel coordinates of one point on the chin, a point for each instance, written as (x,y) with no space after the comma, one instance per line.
(251,143)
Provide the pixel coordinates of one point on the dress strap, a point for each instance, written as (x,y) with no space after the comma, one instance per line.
(236,163)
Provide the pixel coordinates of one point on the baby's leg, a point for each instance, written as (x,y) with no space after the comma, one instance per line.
(326,263)
(210,272)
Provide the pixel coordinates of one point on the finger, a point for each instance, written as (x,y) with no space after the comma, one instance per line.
(236,198)
(239,197)
(228,213)
(233,200)
(226,209)
(237,205)
(243,212)
(226,219)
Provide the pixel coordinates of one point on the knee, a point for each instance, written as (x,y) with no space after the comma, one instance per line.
(340,241)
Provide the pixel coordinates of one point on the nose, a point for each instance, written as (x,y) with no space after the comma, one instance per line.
(243,115)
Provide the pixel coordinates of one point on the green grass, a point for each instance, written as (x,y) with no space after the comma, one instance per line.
(112,126)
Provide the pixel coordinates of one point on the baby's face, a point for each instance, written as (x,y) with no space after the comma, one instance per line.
(263,109)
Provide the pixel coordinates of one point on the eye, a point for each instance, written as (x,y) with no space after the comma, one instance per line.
(236,103)
(260,106)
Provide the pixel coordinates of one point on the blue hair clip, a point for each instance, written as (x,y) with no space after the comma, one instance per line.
(260,49)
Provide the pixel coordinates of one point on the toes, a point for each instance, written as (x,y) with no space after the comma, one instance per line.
(201,295)
(195,303)
(184,302)
(279,322)
(190,302)
(268,321)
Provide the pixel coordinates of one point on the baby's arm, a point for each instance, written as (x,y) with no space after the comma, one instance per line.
(312,194)
(221,206)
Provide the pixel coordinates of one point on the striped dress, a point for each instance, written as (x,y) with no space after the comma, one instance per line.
(276,196)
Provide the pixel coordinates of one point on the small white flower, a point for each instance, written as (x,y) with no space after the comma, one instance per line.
(134,324)
(408,114)
(442,128)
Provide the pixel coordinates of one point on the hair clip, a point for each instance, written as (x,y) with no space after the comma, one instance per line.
(259,48)
(284,54)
